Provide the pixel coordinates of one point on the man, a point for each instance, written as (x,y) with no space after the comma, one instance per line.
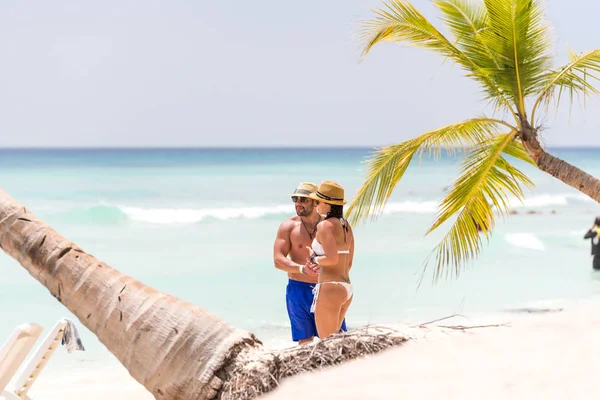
(593,234)
(290,255)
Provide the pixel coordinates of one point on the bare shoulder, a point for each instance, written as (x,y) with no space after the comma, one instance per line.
(325,225)
(288,224)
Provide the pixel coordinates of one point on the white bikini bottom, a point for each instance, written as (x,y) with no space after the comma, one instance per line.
(347,286)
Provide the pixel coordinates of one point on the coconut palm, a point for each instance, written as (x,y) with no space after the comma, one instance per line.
(504,45)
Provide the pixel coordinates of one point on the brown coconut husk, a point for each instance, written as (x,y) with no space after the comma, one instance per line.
(255,376)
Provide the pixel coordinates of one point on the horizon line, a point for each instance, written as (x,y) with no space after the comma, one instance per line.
(325,147)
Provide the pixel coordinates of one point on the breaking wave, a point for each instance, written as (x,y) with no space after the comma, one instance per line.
(111,214)
(525,240)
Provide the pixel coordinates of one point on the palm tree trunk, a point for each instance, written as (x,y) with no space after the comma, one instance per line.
(173,348)
(569,174)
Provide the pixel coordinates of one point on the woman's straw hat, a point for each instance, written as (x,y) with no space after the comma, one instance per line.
(304,189)
(329,192)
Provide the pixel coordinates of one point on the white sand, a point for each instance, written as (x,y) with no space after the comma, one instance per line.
(89,382)
(546,356)
(549,356)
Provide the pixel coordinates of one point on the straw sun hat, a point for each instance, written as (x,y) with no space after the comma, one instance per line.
(305,189)
(329,192)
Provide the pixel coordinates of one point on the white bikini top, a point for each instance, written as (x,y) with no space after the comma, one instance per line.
(318,249)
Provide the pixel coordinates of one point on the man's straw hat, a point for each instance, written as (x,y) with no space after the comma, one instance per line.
(305,189)
(329,192)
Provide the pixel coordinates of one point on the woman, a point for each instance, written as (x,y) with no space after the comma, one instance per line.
(331,255)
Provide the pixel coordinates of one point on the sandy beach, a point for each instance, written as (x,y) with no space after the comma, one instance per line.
(550,355)
(88,382)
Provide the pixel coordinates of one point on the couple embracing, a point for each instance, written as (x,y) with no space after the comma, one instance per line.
(316,248)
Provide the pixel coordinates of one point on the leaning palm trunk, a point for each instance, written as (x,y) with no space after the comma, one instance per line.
(175,349)
(556,167)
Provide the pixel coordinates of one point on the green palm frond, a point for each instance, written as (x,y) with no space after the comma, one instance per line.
(387,166)
(486,181)
(519,37)
(575,77)
(400,22)
(467,21)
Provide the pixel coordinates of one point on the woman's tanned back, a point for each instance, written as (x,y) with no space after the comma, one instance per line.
(339,271)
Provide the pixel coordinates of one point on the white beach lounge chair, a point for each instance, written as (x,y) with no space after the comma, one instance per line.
(37,362)
(13,353)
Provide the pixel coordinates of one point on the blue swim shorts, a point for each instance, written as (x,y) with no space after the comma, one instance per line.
(299,298)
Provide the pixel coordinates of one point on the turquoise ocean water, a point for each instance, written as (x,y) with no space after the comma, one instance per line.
(200,224)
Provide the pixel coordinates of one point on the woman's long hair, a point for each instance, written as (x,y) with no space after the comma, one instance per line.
(338,212)
(335,212)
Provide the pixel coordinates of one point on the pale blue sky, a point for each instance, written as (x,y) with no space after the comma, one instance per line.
(243,73)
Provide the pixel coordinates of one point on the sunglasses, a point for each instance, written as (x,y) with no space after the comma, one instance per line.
(302,199)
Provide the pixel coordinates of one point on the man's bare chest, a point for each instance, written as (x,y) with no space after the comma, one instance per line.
(300,237)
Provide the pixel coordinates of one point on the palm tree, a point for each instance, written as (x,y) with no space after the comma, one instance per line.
(175,349)
(504,45)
